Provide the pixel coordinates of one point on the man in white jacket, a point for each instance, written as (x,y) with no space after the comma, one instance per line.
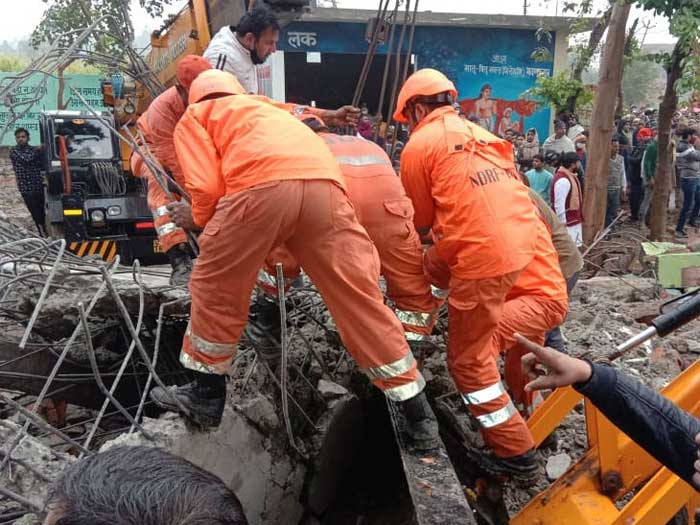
(240,49)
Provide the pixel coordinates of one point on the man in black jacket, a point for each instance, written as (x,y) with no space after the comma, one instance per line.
(26,162)
(666,432)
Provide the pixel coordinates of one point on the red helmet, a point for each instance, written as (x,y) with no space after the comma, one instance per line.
(189,68)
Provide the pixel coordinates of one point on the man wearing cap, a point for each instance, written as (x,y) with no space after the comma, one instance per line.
(559,142)
(158,126)
(465,188)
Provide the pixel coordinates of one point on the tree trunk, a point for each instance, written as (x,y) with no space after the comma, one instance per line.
(628,55)
(664,168)
(585,58)
(60,104)
(602,124)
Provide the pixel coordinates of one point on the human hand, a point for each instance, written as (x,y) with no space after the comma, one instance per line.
(181,214)
(564,370)
(344,116)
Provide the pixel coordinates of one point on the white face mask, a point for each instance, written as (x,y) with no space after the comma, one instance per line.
(579,145)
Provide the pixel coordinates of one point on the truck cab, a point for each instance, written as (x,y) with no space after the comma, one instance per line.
(90,201)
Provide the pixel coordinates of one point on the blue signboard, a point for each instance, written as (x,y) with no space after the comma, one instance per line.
(491,67)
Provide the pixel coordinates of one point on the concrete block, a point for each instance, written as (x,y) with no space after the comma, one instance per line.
(670,268)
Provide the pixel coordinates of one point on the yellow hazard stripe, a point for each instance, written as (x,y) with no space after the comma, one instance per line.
(112,252)
(93,247)
(83,247)
(103,250)
(72,247)
(72,212)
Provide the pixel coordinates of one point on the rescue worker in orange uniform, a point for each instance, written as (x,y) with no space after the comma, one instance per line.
(383,209)
(259,178)
(465,188)
(158,125)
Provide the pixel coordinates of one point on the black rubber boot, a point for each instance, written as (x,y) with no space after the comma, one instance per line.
(264,328)
(524,467)
(203,399)
(421,423)
(181,261)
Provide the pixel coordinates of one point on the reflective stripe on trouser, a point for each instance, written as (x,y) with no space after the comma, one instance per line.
(475,308)
(318,225)
(169,235)
(532,317)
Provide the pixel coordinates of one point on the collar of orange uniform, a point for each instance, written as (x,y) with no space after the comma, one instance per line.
(435,115)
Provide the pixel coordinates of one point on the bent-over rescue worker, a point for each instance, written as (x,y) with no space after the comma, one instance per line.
(158,126)
(464,186)
(384,210)
(259,178)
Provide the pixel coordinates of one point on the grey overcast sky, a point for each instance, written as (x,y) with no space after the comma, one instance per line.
(19,20)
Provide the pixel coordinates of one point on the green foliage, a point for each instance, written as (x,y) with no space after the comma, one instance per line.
(11,63)
(557,90)
(684,18)
(542,53)
(63,21)
(642,82)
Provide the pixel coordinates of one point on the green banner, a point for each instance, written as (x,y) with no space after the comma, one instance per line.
(48,89)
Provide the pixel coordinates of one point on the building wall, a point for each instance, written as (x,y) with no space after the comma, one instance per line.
(472,57)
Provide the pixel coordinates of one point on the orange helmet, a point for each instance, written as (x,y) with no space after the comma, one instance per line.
(190,68)
(423,83)
(214,82)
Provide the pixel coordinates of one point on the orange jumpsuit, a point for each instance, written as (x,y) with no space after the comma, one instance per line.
(158,125)
(463,184)
(259,179)
(386,213)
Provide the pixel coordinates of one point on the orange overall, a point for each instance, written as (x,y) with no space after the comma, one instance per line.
(386,213)
(260,179)
(158,125)
(464,186)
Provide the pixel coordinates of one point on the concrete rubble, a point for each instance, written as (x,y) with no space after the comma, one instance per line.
(286,468)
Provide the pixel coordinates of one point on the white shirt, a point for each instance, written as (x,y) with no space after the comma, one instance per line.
(561,191)
(575,131)
(225,52)
(559,145)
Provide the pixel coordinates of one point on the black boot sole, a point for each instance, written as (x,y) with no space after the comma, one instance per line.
(199,419)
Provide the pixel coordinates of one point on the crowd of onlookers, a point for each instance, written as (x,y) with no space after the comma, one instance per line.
(556,167)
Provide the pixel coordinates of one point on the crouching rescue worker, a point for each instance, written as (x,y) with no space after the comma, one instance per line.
(464,186)
(259,178)
(386,213)
(158,125)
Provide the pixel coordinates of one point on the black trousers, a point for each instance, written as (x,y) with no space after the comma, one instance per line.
(36,206)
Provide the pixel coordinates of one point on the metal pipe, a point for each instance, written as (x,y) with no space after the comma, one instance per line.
(39,422)
(385,77)
(633,342)
(135,336)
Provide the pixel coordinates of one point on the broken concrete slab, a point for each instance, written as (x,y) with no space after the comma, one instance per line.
(557,465)
(35,465)
(329,389)
(265,478)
